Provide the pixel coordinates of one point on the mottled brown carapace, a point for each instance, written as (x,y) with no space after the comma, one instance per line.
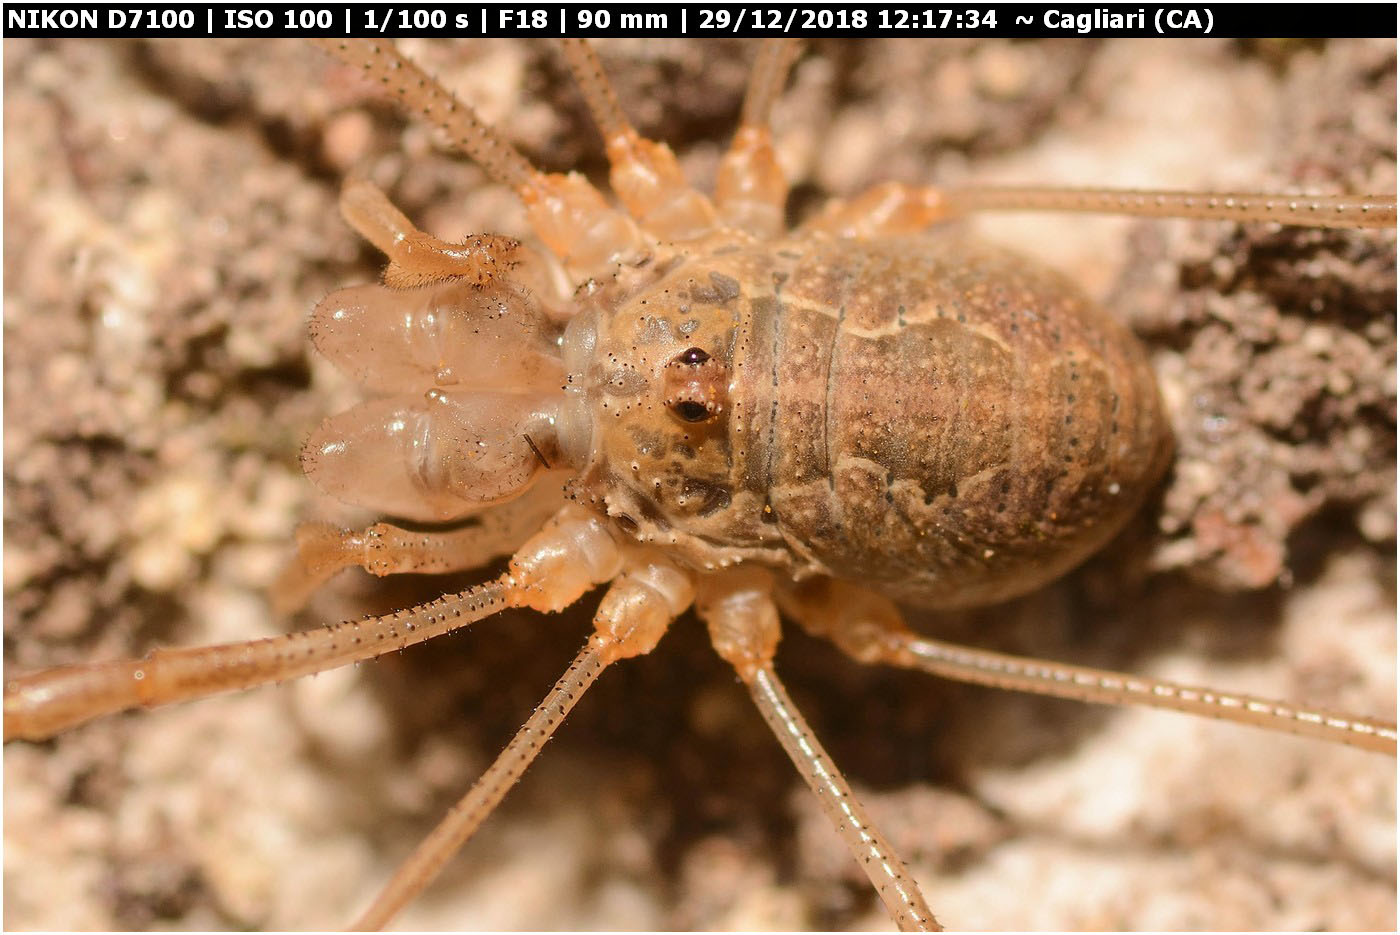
(926,413)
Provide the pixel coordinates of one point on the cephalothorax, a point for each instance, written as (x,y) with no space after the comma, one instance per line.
(868,409)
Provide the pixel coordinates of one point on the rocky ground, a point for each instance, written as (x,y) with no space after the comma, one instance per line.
(170,220)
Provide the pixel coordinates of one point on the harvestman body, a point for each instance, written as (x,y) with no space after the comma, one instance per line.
(737,412)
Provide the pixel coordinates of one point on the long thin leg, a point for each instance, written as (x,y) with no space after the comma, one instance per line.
(743,621)
(634,614)
(428,859)
(645,174)
(552,570)
(895,208)
(1301,210)
(884,210)
(770,70)
(750,189)
(884,868)
(568,214)
(382,64)
(42,704)
(870,628)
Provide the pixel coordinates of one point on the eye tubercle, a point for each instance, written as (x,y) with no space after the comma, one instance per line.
(696,386)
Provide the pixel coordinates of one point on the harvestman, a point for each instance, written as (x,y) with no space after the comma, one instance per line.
(653,579)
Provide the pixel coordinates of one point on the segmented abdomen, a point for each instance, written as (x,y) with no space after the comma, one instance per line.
(946,421)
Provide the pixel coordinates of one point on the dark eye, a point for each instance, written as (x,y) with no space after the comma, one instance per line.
(692,356)
(692,411)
